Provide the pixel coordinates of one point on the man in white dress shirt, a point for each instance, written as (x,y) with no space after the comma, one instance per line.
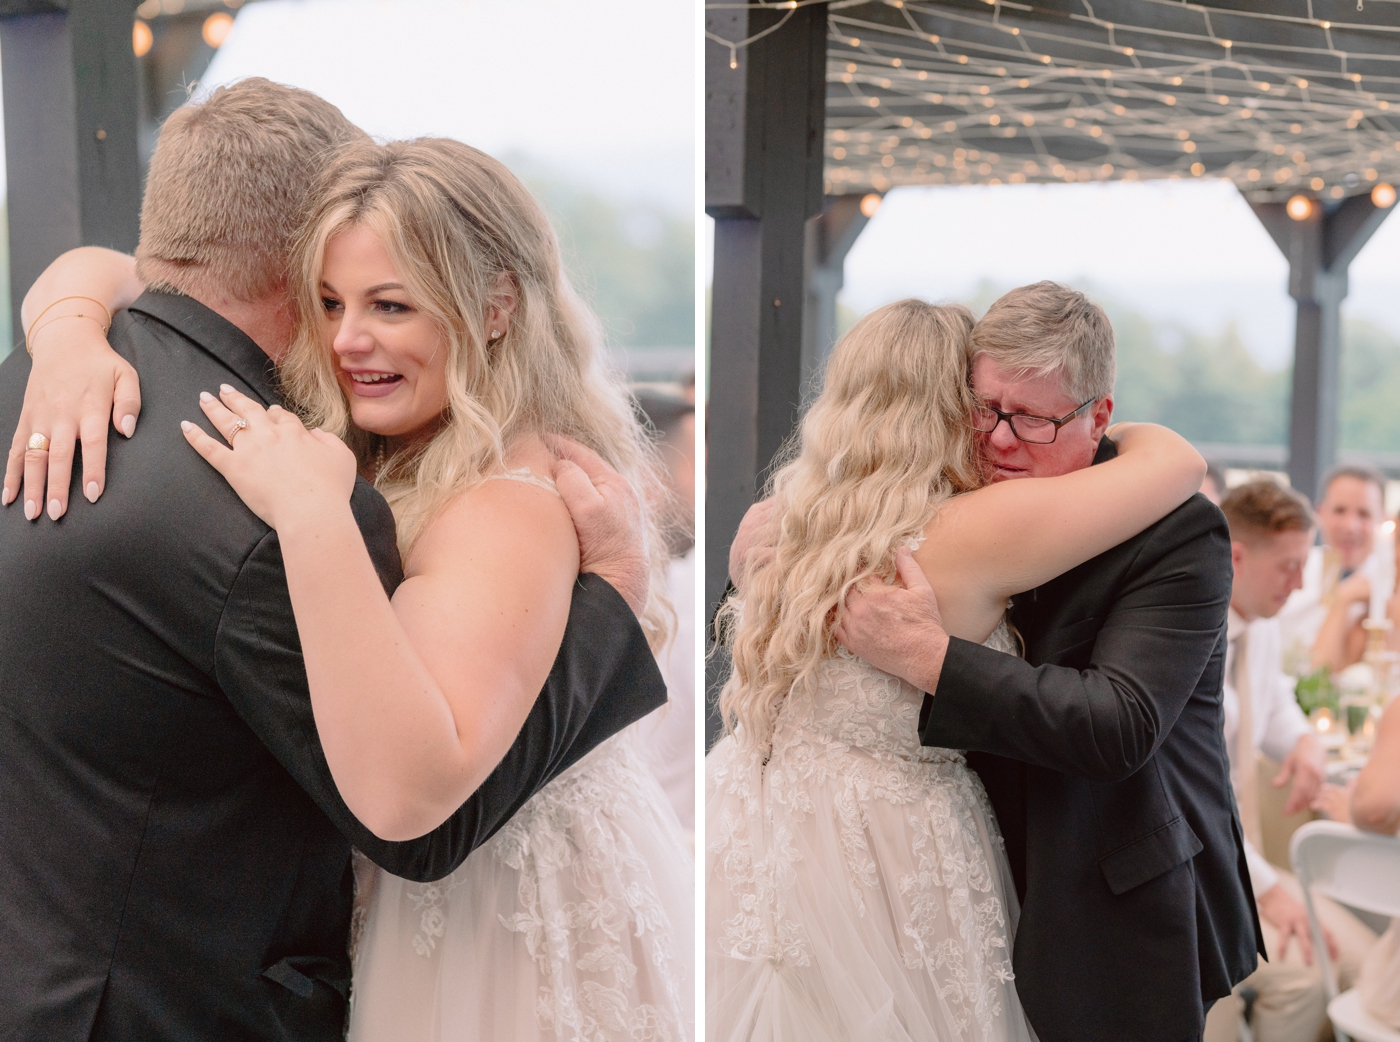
(1348,513)
(1271,531)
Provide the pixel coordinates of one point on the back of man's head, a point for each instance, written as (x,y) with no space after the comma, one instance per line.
(1048,328)
(229,184)
(1260,509)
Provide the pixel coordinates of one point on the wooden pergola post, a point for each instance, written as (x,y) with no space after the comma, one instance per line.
(765,120)
(1319,245)
(70,132)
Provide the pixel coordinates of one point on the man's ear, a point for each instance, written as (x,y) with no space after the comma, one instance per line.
(1101,416)
(1237,552)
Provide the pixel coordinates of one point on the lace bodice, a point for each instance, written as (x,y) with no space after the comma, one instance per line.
(855,705)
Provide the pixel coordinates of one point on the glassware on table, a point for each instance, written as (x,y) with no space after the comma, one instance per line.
(1358,713)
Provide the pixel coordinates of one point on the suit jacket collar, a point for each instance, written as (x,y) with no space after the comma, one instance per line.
(216,335)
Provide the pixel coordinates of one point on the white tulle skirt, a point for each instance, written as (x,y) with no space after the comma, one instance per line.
(574,922)
(855,895)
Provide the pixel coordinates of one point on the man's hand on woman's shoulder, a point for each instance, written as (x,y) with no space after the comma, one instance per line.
(897,628)
(608,518)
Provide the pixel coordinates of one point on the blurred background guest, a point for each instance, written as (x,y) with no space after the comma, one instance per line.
(1213,484)
(1341,641)
(1372,802)
(1271,532)
(1347,514)
(670,731)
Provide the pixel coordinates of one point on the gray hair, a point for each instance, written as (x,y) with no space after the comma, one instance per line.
(1047,328)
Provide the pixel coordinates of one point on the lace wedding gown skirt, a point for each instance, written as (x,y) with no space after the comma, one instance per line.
(574,922)
(857,883)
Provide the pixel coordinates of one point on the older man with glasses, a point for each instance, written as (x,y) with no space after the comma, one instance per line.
(1101,749)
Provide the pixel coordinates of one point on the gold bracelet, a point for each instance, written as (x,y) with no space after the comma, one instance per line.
(58,318)
(72,296)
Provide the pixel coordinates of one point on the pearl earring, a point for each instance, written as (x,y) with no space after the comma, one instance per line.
(495,334)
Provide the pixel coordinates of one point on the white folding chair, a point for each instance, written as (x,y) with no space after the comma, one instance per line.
(1360,869)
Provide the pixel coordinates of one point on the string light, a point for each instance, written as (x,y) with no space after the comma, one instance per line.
(1300,208)
(141,38)
(1165,107)
(1383,195)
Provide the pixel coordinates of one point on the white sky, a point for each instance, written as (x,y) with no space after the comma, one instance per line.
(1189,252)
(603,91)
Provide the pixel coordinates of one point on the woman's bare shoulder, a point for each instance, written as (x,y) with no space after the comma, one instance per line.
(513,513)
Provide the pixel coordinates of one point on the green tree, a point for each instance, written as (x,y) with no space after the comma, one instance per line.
(633,264)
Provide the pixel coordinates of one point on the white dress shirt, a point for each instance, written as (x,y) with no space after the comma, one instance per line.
(1278,721)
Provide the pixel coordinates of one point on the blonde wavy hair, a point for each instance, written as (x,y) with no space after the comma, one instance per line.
(456,224)
(884,444)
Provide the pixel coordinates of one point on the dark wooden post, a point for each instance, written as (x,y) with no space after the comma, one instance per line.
(1319,248)
(764,145)
(70,132)
(765,122)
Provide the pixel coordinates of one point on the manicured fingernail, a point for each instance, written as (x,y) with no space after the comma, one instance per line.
(128,425)
(93,492)
(55,509)
(225,389)
(31,509)
(186,426)
(205,396)
(5,496)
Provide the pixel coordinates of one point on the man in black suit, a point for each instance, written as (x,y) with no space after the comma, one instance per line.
(175,855)
(1102,750)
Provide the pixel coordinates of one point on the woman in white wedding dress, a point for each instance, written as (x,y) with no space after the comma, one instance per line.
(440,338)
(857,881)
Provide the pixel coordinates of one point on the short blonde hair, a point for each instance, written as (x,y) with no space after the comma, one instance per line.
(1047,328)
(458,224)
(230,182)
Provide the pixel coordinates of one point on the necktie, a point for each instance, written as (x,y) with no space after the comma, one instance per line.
(1246,757)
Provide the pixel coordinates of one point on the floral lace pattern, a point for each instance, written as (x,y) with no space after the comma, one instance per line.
(606,952)
(841,757)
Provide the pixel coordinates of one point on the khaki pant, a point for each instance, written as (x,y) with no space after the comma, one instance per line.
(1292,1003)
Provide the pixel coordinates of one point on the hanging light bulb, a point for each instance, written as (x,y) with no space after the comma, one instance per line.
(1383,196)
(870,203)
(1300,208)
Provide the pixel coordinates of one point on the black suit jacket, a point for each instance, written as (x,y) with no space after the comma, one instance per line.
(1104,757)
(174,855)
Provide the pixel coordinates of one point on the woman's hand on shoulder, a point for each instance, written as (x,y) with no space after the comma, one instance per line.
(286,474)
(77,386)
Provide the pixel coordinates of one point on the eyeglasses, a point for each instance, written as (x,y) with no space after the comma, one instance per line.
(1033,430)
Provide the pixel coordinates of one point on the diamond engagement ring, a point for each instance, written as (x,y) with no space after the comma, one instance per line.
(238,425)
(38,442)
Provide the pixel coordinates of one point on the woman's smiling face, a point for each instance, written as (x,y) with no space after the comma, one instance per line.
(391,358)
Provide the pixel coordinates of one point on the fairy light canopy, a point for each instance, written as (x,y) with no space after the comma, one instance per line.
(1278,96)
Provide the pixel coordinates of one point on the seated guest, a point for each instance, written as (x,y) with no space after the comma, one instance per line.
(1372,802)
(1271,530)
(1348,513)
(1342,639)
